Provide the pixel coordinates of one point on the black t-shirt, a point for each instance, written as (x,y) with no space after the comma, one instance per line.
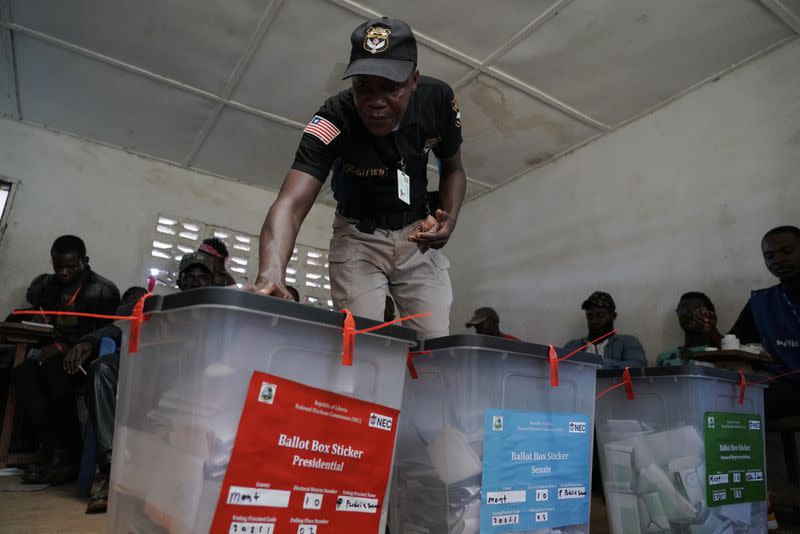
(365,166)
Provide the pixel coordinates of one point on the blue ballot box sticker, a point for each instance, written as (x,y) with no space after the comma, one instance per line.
(535,471)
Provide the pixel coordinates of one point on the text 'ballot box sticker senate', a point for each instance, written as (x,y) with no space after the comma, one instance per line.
(535,470)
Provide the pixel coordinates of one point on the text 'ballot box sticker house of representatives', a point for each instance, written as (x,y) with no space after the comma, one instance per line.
(535,471)
(734,458)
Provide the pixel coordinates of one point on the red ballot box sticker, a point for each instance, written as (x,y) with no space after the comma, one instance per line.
(306,460)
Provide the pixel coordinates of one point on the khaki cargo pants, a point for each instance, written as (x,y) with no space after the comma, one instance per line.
(364,268)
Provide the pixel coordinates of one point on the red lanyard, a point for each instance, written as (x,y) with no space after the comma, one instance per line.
(72,300)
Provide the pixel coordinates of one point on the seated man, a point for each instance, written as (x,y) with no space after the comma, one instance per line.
(103,375)
(216,249)
(487,323)
(44,391)
(618,350)
(195,272)
(772,317)
(698,320)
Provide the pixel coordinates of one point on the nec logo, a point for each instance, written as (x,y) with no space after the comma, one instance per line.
(577,427)
(383,422)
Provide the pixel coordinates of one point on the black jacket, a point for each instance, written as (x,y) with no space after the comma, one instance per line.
(96,295)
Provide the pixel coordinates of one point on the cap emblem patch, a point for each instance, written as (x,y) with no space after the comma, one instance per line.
(377,39)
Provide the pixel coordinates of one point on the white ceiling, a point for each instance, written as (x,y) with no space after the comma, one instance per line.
(227,86)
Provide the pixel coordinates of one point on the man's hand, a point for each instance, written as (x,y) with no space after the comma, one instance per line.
(47,352)
(76,356)
(271,288)
(704,320)
(433,232)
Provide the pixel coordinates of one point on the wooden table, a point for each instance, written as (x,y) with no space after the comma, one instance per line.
(735,360)
(23,336)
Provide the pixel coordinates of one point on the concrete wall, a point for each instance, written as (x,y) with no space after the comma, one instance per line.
(676,201)
(111,199)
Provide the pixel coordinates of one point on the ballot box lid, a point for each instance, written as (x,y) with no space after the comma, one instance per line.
(221,297)
(492,343)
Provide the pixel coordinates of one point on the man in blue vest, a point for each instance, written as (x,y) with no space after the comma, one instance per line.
(772,318)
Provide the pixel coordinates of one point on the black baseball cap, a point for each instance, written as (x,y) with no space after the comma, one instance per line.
(196,258)
(382,47)
(599,299)
(482,315)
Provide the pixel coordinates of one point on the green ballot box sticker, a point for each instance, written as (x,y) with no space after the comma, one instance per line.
(734,458)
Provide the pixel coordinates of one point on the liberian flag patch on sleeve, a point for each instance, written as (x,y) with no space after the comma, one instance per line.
(322,129)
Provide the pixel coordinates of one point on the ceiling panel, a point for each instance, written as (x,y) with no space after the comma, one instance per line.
(506,131)
(792,5)
(297,66)
(249,148)
(613,59)
(67,91)
(438,65)
(476,27)
(194,41)
(276,82)
(8,100)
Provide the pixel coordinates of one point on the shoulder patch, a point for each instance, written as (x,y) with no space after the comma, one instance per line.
(322,129)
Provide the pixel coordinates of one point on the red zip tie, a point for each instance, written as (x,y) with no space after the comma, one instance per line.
(615,386)
(742,385)
(136,319)
(348,337)
(410,362)
(771,378)
(349,332)
(626,380)
(75,314)
(136,325)
(553,357)
(151,283)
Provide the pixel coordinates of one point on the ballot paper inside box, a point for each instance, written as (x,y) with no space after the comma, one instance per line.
(653,457)
(441,435)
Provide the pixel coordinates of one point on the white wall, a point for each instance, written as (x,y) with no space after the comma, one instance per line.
(676,201)
(111,199)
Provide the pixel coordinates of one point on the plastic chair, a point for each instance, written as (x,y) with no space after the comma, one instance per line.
(89,452)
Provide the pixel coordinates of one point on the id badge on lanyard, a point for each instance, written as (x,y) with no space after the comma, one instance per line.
(403,184)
